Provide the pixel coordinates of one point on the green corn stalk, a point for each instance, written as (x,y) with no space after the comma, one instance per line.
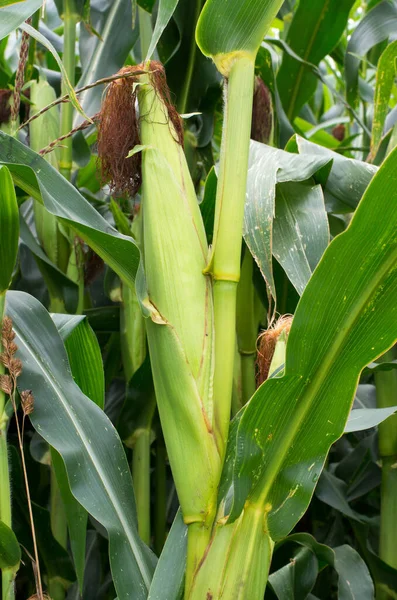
(180,328)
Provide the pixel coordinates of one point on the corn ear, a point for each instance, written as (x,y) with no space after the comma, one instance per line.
(180,332)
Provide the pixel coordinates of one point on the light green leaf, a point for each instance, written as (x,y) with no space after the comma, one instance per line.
(300,230)
(47,44)
(365,418)
(385,75)
(226,28)
(345,319)
(87,441)
(11,16)
(165,12)
(39,179)
(9,228)
(10,552)
(268,166)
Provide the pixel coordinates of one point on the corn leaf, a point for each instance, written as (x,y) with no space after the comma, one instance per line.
(385,75)
(96,465)
(300,231)
(40,180)
(345,319)
(9,228)
(165,12)
(268,166)
(376,26)
(315,30)
(235,26)
(11,16)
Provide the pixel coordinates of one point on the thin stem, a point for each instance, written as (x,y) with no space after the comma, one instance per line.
(225,263)
(25,476)
(7,575)
(198,537)
(69,60)
(161,497)
(141,479)
(386,395)
(184,96)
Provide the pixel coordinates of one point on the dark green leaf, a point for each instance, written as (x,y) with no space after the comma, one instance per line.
(39,179)
(296,580)
(165,12)
(315,30)
(96,464)
(169,575)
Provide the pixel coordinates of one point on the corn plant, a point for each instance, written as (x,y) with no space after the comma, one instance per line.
(198,218)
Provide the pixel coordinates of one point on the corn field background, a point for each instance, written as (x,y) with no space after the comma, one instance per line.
(198,299)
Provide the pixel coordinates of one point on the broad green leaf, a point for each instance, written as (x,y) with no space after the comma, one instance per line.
(385,75)
(315,30)
(103,56)
(11,16)
(268,166)
(376,26)
(9,228)
(365,418)
(47,44)
(96,464)
(165,12)
(236,26)
(300,230)
(345,319)
(38,179)
(169,576)
(10,552)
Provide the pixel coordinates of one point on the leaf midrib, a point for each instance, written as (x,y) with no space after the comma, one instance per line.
(310,391)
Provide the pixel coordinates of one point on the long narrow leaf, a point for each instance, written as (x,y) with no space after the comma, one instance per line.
(39,179)
(345,319)
(96,464)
